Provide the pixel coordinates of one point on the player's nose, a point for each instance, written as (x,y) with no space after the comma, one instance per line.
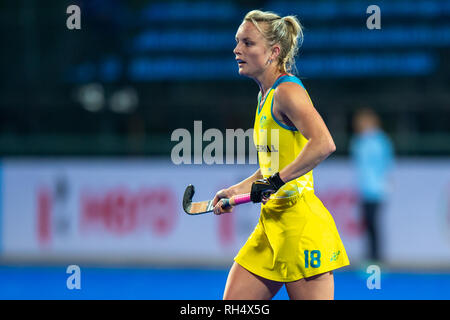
(236,50)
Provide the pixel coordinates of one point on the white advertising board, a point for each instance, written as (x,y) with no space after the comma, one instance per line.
(110,210)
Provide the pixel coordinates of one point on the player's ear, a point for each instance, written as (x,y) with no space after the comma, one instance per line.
(276,49)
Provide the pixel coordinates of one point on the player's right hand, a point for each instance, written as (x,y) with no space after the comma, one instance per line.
(217,203)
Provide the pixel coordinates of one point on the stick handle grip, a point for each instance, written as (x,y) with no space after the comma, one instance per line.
(235,200)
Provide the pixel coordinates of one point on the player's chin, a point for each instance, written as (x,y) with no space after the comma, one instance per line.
(243,71)
(246,71)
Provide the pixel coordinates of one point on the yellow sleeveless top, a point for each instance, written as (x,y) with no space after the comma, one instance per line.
(296,236)
(278,144)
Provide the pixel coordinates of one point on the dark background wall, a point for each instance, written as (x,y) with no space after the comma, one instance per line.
(137,70)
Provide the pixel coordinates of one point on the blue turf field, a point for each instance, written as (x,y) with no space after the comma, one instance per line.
(26,282)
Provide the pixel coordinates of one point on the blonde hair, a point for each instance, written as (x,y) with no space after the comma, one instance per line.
(287,31)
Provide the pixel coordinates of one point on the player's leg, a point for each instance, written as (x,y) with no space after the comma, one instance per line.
(244,285)
(319,287)
(370,210)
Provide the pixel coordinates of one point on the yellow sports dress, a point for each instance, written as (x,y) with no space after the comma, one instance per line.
(296,236)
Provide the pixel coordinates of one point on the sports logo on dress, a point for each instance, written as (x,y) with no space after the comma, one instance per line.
(335,255)
(262,121)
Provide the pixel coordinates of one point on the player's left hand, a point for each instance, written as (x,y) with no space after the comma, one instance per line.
(263,188)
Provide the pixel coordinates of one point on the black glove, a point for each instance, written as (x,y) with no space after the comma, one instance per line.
(265,187)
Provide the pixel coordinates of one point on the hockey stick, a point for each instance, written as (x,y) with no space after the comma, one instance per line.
(194,208)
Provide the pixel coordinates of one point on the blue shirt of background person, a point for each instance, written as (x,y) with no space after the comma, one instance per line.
(373,155)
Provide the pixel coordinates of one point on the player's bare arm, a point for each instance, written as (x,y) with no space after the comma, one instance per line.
(293,106)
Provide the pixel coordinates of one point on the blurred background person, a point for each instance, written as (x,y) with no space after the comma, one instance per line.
(372,153)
